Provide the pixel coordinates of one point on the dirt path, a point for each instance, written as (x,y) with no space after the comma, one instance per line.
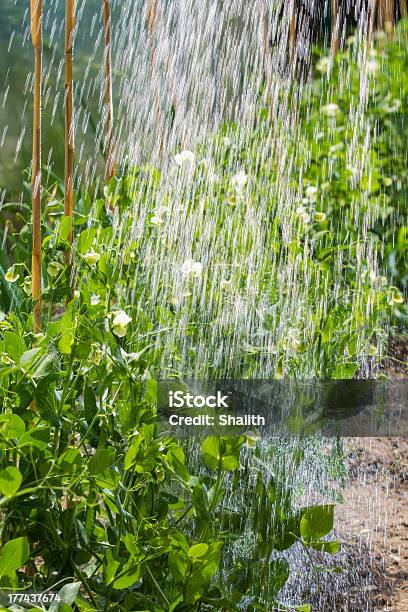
(375,515)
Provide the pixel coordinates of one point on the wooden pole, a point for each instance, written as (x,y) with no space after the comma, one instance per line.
(36,275)
(151,21)
(292,33)
(110,153)
(372,14)
(404,8)
(389,10)
(69,112)
(335,24)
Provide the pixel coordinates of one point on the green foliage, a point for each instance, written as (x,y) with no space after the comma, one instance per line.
(111,507)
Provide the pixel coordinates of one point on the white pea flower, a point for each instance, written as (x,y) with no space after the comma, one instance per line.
(319,217)
(95,299)
(130,356)
(323,65)
(311,193)
(12,275)
(239,180)
(305,217)
(185,157)
(120,321)
(156,220)
(331,109)
(192,268)
(336,148)
(92,257)
(27,286)
(372,67)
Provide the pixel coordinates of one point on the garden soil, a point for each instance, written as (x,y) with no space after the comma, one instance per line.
(374,516)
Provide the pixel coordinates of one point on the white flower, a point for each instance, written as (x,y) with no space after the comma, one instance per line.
(130,356)
(95,299)
(27,285)
(92,257)
(225,284)
(323,65)
(121,318)
(120,321)
(192,268)
(185,157)
(319,217)
(387,181)
(156,220)
(331,109)
(239,180)
(226,141)
(372,67)
(311,193)
(11,275)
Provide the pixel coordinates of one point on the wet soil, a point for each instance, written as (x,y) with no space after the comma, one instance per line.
(374,516)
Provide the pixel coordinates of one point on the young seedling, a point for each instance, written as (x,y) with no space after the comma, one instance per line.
(36,35)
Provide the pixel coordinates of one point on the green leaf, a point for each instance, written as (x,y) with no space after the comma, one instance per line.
(29,356)
(68,595)
(133,451)
(279,572)
(197,550)
(200,502)
(14,346)
(70,461)
(317,522)
(85,240)
(37,437)
(222,452)
(132,573)
(11,426)
(328,547)
(10,481)
(90,407)
(13,555)
(65,227)
(103,458)
(178,564)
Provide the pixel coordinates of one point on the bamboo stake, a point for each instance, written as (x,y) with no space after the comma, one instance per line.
(292,33)
(268,62)
(389,16)
(151,20)
(372,13)
(36,35)
(69,112)
(335,22)
(110,149)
